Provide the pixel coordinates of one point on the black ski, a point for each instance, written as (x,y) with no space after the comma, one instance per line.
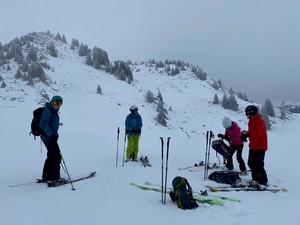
(209,166)
(195,165)
(145,161)
(56,184)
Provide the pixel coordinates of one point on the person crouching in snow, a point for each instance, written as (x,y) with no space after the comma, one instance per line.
(232,135)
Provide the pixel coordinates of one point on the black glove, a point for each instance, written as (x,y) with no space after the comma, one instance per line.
(227,138)
(54,137)
(244,137)
(220,135)
(134,131)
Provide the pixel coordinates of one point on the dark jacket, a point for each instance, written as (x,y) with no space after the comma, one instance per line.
(133,124)
(49,121)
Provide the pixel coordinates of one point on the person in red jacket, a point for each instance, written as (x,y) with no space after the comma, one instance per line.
(257,134)
(232,135)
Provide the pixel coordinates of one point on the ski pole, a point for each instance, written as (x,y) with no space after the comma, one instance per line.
(124,148)
(41,143)
(118,134)
(162,169)
(206,149)
(167,159)
(66,170)
(211,135)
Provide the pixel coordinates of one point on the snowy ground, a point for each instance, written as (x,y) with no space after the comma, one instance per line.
(109,198)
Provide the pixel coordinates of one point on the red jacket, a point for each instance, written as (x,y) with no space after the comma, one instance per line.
(234,133)
(257,133)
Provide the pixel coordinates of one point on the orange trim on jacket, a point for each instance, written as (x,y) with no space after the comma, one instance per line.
(257,133)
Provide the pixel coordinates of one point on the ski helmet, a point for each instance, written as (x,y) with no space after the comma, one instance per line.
(57,98)
(226,122)
(133,108)
(251,110)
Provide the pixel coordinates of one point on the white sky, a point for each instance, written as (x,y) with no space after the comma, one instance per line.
(252,46)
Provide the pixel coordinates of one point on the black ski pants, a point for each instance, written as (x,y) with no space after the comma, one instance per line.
(239,152)
(256,164)
(51,169)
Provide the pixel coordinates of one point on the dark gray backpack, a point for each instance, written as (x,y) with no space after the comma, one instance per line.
(225,177)
(182,194)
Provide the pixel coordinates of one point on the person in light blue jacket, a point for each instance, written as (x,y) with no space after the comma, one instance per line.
(133,124)
(50,123)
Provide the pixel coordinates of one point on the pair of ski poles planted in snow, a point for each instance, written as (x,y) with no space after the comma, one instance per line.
(118,138)
(209,135)
(164,182)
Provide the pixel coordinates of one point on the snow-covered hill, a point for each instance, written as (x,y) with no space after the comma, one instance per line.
(88,140)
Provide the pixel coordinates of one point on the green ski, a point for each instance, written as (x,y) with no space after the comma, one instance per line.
(200,199)
(202,193)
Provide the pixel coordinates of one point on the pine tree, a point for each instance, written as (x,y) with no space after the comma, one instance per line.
(99,90)
(89,60)
(83,50)
(74,44)
(232,103)
(225,102)
(18,74)
(220,82)
(63,39)
(32,54)
(3,85)
(215,85)
(216,99)
(161,117)
(265,116)
(282,111)
(57,37)
(150,97)
(269,108)
(245,97)
(52,50)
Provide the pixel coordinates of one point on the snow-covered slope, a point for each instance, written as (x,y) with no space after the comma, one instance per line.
(88,141)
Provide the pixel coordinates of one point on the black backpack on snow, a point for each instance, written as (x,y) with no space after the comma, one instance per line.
(221,148)
(182,193)
(36,130)
(225,177)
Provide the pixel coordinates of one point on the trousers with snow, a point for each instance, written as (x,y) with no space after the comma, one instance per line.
(133,146)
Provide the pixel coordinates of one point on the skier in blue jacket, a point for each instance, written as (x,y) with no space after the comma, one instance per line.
(133,124)
(50,123)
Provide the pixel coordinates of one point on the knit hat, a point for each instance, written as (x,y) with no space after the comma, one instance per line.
(133,108)
(226,122)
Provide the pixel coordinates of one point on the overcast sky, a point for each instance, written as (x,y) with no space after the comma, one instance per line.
(253,46)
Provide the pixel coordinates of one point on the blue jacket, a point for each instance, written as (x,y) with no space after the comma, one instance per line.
(133,124)
(49,121)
